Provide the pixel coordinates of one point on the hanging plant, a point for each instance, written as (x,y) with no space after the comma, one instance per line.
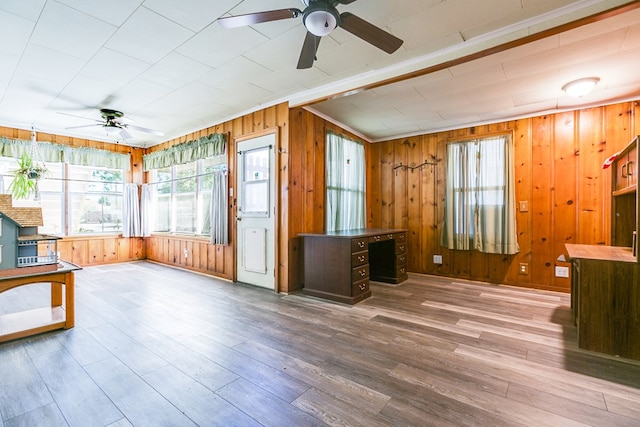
(26,177)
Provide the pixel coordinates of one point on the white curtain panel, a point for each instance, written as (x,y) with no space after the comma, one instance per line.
(146,218)
(131,215)
(219,211)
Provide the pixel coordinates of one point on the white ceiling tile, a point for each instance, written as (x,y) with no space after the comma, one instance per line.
(175,70)
(59,70)
(237,70)
(135,96)
(148,36)
(113,69)
(193,14)
(215,45)
(115,12)
(28,9)
(16,29)
(69,31)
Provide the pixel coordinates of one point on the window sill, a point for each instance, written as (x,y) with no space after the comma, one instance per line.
(178,236)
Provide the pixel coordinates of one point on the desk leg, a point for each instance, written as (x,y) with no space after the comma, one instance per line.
(56,294)
(70,318)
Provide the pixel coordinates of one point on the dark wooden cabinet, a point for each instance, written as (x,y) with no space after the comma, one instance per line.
(606,299)
(339,265)
(624,197)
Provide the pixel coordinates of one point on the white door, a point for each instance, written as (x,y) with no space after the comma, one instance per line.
(255,248)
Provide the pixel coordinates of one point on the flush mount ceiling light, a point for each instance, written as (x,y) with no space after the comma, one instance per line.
(320,20)
(581,87)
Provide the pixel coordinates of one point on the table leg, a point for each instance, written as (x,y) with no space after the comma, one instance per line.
(70,318)
(56,294)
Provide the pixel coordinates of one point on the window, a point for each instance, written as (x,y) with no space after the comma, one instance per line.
(181,196)
(92,199)
(480,196)
(345,198)
(95,198)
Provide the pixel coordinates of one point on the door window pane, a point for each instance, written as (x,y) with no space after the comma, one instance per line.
(255,185)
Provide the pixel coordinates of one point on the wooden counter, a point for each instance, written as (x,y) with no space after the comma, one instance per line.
(605,297)
(339,265)
(58,315)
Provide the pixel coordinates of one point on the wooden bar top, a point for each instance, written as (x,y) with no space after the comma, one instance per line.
(599,252)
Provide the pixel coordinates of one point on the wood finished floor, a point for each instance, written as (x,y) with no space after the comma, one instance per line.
(156,346)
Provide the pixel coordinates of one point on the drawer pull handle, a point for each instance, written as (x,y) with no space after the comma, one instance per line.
(363,273)
(361,244)
(402,270)
(390,236)
(362,286)
(376,238)
(361,258)
(402,259)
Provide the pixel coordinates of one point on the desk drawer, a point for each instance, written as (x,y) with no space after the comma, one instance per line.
(401,260)
(401,270)
(380,238)
(359,258)
(359,287)
(401,237)
(401,248)
(360,244)
(360,273)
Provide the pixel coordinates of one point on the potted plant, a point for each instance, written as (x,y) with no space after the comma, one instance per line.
(26,176)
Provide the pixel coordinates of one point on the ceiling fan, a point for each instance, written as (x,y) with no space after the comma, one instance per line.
(113,121)
(320,17)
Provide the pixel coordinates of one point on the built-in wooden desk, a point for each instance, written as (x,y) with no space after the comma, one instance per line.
(605,298)
(338,265)
(31,322)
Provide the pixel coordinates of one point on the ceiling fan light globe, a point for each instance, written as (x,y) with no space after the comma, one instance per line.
(320,22)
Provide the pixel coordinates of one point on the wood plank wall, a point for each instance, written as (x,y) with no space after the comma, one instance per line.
(102,249)
(219,260)
(558,171)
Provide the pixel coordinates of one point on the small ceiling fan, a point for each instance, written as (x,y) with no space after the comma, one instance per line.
(320,17)
(114,121)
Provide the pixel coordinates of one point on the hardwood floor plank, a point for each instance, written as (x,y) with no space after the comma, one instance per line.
(197,402)
(138,401)
(80,400)
(22,388)
(48,415)
(267,409)
(566,407)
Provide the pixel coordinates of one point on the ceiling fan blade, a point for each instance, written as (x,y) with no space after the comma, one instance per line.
(369,32)
(345,1)
(145,130)
(258,17)
(84,126)
(124,134)
(309,49)
(80,117)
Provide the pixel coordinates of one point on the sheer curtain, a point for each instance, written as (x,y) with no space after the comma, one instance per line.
(345,199)
(480,196)
(146,217)
(131,215)
(218,209)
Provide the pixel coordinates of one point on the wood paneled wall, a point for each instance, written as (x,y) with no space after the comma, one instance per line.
(558,171)
(219,260)
(94,250)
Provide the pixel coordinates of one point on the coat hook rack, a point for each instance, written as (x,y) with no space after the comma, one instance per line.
(412,168)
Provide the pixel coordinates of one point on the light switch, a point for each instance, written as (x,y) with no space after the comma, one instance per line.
(524,206)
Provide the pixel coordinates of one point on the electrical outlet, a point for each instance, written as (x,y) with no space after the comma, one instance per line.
(186,253)
(562,271)
(437,259)
(524,268)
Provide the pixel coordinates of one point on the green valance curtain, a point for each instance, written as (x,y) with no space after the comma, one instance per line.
(57,153)
(187,152)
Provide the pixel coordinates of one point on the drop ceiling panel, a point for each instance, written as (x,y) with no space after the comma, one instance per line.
(215,45)
(28,9)
(113,69)
(148,36)
(16,29)
(69,31)
(114,12)
(175,70)
(192,14)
